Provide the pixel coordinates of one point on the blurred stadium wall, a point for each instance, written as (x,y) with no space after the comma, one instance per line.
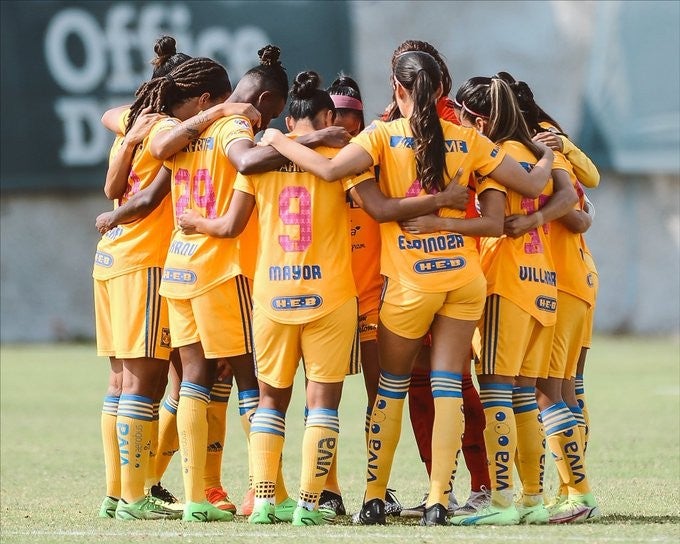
(608,71)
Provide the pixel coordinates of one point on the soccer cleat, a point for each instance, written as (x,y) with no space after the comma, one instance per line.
(476,501)
(576,509)
(332,501)
(434,515)
(248,501)
(371,513)
(285,509)
(157,491)
(557,500)
(415,511)
(218,497)
(302,516)
(263,514)
(452,504)
(392,504)
(108,508)
(145,508)
(204,511)
(533,515)
(490,515)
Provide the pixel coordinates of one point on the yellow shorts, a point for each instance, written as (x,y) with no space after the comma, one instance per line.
(324,344)
(131,318)
(572,315)
(367,331)
(220,319)
(410,313)
(514,343)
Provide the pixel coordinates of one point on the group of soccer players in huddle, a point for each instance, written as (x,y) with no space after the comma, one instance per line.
(447,234)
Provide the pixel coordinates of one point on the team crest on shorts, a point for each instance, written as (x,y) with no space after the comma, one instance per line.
(165,337)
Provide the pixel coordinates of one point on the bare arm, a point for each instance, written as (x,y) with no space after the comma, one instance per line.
(139,205)
(351,160)
(490,223)
(383,209)
(530,184)
(169,142)
(229,225)
(585,170)
(560,202)
(249,158)
(577,221)
(111,118)
(118,172)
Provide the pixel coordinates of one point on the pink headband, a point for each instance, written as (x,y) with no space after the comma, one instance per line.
(347,102)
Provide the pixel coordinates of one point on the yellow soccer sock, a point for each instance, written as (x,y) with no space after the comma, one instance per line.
(110,443)
(581,398)
(134,437)
(267,434)
(319,444)
(332,483)
(564,441)
(281,492)
(217,431)
(168,440)
(153,449)
(247,404)
(447,432)
(530,458)
(500,438)
(384,432)
(192,428)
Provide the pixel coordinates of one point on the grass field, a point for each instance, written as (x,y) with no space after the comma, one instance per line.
(52,474)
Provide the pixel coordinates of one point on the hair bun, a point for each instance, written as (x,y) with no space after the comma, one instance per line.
(165,46)
(269,55)
(305,84)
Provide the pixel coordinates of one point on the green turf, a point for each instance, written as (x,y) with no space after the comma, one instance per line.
(52,474)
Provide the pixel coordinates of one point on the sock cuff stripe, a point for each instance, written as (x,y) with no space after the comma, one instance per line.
(136,398)
(135,410)
(268,421)
(497,403)
(248,394)
(522,408)
(528,390)
(332,423)
(555,429)
(558,407)
(188,389)
(395,377)
(580,390)
(439,393)
(495,387)
(112,398)
(392,394)
(172,408)
(446,374)
(322,411)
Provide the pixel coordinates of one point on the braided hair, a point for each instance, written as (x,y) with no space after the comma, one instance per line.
(188,80)
(167,58)
(420,75)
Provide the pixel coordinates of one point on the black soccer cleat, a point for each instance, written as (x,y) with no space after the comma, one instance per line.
(434,515)
(371,513)
(332,501)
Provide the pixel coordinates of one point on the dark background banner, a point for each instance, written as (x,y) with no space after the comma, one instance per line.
(64,63)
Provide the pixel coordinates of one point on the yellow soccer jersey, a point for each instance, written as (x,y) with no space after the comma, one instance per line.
(365,233)
(437,262)
(568,249)
(522,269)
(142,243)
(203,180)
(304,266)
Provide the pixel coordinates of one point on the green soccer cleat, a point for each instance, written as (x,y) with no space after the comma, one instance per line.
(576,509)
(491,515)
(204,511)
(145,508)
(533,515)
(264,513)
(285,509)
(302,516)
(108,508)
